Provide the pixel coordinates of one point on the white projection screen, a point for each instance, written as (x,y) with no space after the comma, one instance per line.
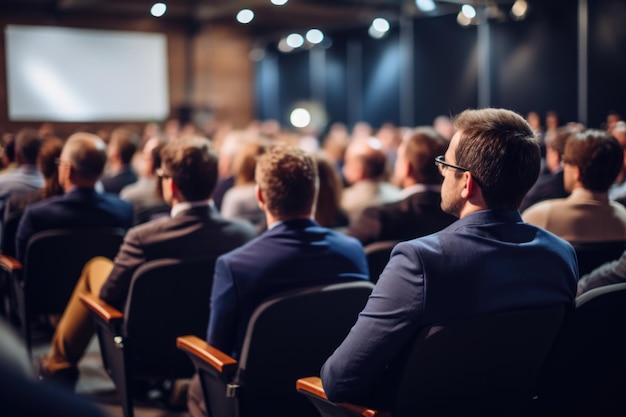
(85,75)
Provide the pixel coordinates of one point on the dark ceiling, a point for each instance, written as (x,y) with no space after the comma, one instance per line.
(269,19)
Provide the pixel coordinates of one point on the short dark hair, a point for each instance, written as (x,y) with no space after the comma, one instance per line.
(127,142)
(598,156)
(421,147)
(288,179)
(192,164)
(27,144)
(501,152)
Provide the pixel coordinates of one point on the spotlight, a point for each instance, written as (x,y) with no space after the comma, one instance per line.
(380,24)
(468,11)
(295,40)
(278,2)
(519,9)
(158,9)
(425,5)
(314,36)
(245,16)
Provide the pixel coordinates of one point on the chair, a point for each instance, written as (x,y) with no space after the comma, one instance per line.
(289,336)
(53,262)
(167,298)
(377,254)
(484,366)
(586,371)
(593,254)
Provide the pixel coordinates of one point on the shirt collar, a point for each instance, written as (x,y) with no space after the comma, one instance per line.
(186,205)
(418,188)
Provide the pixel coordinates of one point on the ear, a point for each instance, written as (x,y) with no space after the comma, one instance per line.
(259,196)
(470,186)
(576,173)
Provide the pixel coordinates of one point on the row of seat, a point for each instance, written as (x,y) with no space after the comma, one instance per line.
(140,341)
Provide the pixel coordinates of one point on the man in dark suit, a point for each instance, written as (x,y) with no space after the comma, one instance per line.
(294,252)
(550,184)
(81,163)
(487,261)
(122,147)
(419,213)
(188,174)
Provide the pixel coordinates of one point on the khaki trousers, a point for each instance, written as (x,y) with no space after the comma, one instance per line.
(76,328)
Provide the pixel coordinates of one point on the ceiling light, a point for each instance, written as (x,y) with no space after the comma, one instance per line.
(469,11)
(380,24)
(283,46)
(295,40)
(245,16)
(374,33)
(278,2)
(425,5)
(463,20)
(300,117)
(314,36)
(519,9)
(158,9)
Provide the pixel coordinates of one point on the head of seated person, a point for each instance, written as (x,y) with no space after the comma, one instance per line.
(82,161)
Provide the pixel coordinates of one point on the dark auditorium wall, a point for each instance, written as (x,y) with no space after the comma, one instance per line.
(533,64)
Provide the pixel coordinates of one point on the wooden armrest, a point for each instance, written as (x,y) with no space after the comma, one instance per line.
(10,263)
(209,354)
(105,311)
(313,385)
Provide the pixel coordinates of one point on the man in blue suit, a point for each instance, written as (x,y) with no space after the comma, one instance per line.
(489,260)
(294,252)
(81,164)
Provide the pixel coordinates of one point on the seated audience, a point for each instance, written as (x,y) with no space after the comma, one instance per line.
(239,202)
(610,273)
(7,162)
(26,177)
(419,213)
(121,149)
(618,191)
(364,170)
(81,163)
(550,185)
(487,261)
(591,162)
(144,193)
(294,252)
(17,203)
(195,228)
(328,212)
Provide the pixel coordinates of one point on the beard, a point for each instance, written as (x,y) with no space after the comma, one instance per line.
(451,205)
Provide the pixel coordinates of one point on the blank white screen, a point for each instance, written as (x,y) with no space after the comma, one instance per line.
(84,75)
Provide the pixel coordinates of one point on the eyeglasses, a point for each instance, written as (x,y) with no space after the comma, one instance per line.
(443,165)
(161,173)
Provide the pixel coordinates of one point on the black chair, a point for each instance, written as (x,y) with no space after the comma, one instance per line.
(485,366)
(586,371)
(167,298)
(288,337)
(377,254)
(53,262)
(593,254)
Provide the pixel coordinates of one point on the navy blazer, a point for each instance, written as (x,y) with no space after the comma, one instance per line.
(417,215)
(485,262)
(78,208)
(292,254)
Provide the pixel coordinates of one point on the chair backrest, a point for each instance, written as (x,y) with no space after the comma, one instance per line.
(167,298)
(54,260)
(592,255)
(586,371)
(9,231)
(487,365)
(377,254)
(289,337)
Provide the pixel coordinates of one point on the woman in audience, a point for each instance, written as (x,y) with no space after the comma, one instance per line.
(240,201)
(328,212)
